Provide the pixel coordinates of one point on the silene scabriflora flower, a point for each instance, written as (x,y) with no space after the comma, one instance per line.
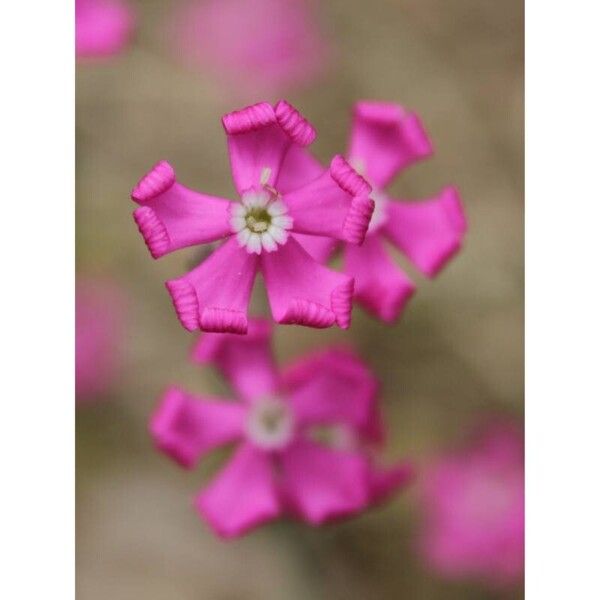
(252,46)
(386,139)
(264,231)
(102,27)
(473,504)
(99,328)
(304,438)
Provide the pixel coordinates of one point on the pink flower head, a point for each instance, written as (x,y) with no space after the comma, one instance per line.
(264,45)
(98,331)
(102,27)
(386,139)
(302,437)
(473,504)
(259,232)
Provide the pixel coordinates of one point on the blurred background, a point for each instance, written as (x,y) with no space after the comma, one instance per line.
(156,89)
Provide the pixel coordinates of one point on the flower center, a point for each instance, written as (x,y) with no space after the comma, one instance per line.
(258,220)
(270,424)
(261,221)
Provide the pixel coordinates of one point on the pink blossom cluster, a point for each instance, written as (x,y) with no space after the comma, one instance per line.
(473,503)
(307,438)
(102,27)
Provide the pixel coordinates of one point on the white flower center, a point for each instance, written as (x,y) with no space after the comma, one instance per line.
(270,424)
(380,215)
(261,220)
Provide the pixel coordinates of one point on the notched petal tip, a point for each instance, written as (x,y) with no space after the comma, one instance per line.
(311,314)
(356,223)
(341,303)
(457,220)
(162,423)
(158,180)
(249,118)
(222,320)
(153,231)
(185,302)
(347,178)
(294,124)
(455,209)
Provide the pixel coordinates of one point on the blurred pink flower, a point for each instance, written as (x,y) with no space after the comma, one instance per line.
(385,140)
(260,231)
(99,313)
(473,508)
(259,46)
(102,27)
(304,437)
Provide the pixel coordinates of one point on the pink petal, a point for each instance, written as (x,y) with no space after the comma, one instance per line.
(253,47)
(303,292)
(429,232)
(99,334)
(242,496)
(247,361)
(215,295)
(330,387)
(336,204)
(380,285)
(172,216)
(385,139)
(321,484)
(258,138)
(387,481)
(186,427)
(299,168)
(102,27)
(319,247)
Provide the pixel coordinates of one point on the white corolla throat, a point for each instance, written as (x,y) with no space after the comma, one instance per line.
(270,423)
(380,213)
(261,220)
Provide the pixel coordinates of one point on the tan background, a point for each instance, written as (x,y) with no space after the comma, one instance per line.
(457,352)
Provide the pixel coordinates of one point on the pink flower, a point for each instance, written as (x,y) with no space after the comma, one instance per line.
(257,231)
(99,311)
(386,139)
(102,27)
(302,437)
(257,46)
(473,504)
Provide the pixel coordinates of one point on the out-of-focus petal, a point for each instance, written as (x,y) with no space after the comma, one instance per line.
(386,481)
(320,484)
(336,204)
(186,427)
(246,361)
(102,27)
(385,139)
(215,295)
(303,292)
(473,508)
(380,285)
(99,322)
(172,216)
(255,48)
(299,168)
(258,138)
(332,387)
(430,232)
(243,495)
